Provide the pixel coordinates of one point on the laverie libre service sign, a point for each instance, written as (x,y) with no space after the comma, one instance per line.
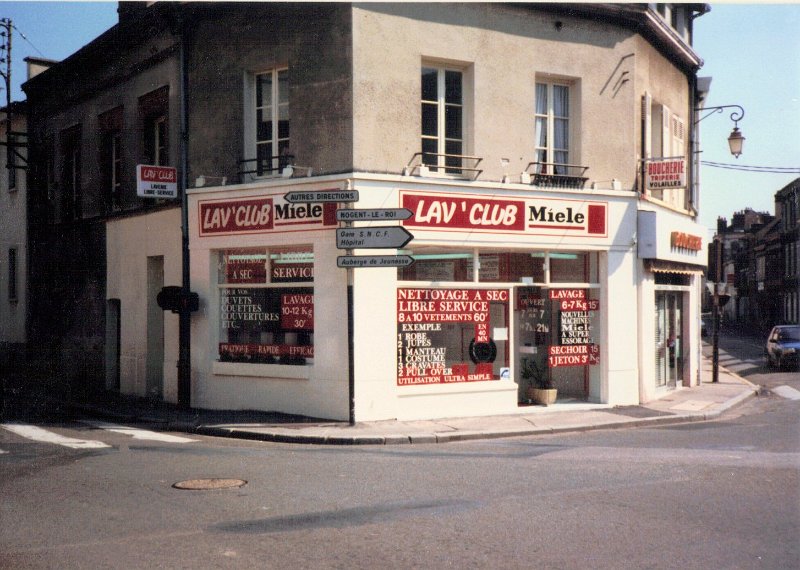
(156,181)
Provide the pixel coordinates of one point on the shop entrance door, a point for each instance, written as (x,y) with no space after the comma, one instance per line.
(532,336)
(669,339)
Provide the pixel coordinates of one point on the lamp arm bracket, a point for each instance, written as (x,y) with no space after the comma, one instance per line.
(735,116)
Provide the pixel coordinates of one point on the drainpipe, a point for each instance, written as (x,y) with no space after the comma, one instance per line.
(184,315)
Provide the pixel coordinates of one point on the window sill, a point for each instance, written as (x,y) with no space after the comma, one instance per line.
(278,371)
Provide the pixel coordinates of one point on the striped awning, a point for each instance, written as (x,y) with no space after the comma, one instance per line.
(657,266)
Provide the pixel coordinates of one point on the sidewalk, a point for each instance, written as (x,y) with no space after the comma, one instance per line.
(700,403)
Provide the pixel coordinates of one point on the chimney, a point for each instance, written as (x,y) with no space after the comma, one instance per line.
(722,225)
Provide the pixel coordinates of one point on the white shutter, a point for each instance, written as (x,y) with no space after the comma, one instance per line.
(666,132)
(678,137)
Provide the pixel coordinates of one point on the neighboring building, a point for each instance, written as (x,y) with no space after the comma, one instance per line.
(13,234)
(760,263)
(787,206)
(553,207)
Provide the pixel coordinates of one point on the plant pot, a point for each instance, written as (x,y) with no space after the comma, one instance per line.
(544,396)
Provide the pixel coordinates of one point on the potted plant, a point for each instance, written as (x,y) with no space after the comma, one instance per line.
(541,389)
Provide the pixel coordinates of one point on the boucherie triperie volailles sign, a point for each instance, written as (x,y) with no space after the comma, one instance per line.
(540,216)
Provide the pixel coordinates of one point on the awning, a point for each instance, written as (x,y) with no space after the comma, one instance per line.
(657,266)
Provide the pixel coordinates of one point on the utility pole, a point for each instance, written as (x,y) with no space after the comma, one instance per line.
(5,48)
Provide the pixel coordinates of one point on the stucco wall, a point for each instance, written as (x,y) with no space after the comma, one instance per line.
(130,241)
(502,49)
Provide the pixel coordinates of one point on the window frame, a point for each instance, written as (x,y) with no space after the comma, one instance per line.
(550,117)
(279,144)
(444,166)
(272,252)
(13,272)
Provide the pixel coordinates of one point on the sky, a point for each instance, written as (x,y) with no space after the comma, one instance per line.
(751,52)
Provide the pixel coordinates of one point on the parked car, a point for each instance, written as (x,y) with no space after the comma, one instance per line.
(783,346)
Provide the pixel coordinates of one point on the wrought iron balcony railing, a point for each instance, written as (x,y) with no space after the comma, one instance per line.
(430,164)
(557,175)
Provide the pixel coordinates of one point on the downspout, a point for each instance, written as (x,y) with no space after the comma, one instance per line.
(184,315)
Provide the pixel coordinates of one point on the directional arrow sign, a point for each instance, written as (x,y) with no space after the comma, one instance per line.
(375,237)
(322,196)
(368,215)
(348,261)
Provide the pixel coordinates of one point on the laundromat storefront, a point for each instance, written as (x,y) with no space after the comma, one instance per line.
(545,332)
(487,314)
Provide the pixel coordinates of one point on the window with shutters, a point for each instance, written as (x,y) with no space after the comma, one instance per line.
(664,137)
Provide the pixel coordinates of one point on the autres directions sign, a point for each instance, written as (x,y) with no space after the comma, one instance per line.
(322,196)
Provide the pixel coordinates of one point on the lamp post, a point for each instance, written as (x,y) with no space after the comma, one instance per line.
(735,139)
(715,333)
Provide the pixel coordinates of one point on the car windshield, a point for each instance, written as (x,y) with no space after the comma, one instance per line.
(791,333)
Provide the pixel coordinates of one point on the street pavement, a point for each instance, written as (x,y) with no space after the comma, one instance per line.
(700,403)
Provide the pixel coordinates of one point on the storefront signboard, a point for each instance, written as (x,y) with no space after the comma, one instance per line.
(663,173)
(436,328)
(536,216)
(263,214)
(156,181)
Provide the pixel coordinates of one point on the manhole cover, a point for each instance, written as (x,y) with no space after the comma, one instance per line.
(209,484)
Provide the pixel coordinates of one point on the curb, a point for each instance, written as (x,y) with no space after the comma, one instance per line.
(418,438)
(456,436)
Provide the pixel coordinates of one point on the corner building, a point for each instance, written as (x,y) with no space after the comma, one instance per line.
(543,153)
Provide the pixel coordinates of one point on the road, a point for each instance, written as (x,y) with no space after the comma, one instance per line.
(721,494)
(744,355)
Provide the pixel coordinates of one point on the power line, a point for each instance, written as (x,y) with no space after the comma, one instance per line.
(24,37)
(745,168)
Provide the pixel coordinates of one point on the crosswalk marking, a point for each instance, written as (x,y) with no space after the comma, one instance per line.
(787,392)
(136,433)
(38,434)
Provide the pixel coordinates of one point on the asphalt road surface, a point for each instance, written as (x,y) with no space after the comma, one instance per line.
(77,493)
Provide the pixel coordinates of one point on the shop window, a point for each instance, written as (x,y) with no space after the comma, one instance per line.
(443,265)
(573,267)
(266,305)
(451,335)
(556,338)
(439,265)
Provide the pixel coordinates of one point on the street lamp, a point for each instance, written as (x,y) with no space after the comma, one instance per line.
(736,139)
